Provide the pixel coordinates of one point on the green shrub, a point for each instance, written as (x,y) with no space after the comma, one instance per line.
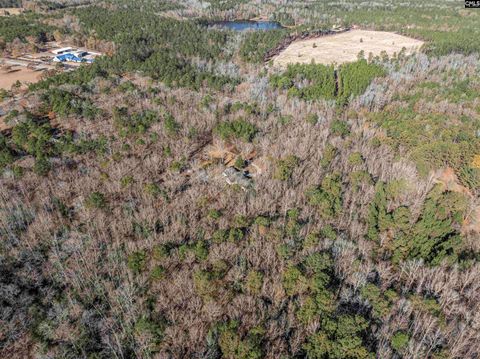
(235,235)
(379,303)
(178,166)
(6,153)
(292,225)
(357,178)
(375,142)
(328,155)
(284,251)
(239,129)
(59,101)
(340,339)
(172,127)
(206,101)
(157,273)
(167,151)
(35,138)
(4,94)
(232,345)
(395,188)
(340,128)
(469,177)
(262,221)
(239,163)
(240,221)
(145,229)
(18,171)
(318,262)
(294,282)
(42,166)
(285,168)
(199,250)
(214,214)
(433,238)
(150,332)
(427,305)
(312,118)
(154,190)
(219,269)
(355,159)
(378,219)
(126,181)
(64,103)
(61,207)
(96,200)
(327,197)
(328,232)
(254,282)
(127,86)
(400,341)
(308,311)
(137,261)
(285,119)
(205,285)
(160,252)
(136,124)
(401,219)
(220,236)
(85,145)
(311,240)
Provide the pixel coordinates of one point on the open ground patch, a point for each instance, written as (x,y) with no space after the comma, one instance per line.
(345,47)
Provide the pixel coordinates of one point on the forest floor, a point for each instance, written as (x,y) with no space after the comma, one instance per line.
(344,47)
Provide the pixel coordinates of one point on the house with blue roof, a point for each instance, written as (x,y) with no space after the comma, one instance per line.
(71,57)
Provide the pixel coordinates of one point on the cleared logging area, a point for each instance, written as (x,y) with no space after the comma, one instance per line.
(344,47)
(18,73)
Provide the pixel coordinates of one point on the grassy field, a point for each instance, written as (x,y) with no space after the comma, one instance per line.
(345,47)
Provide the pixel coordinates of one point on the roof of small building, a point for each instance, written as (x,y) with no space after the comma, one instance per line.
(71,57)
(232,176)
(63,49)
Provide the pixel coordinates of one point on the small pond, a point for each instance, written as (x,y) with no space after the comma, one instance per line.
(242,25)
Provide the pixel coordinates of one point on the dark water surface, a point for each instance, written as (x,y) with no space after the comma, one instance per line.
(247,25)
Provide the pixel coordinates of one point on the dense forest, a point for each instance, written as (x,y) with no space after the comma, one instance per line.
(181,198)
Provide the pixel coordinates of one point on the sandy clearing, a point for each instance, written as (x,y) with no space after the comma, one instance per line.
(19,73)
(6,11)
(344,47)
